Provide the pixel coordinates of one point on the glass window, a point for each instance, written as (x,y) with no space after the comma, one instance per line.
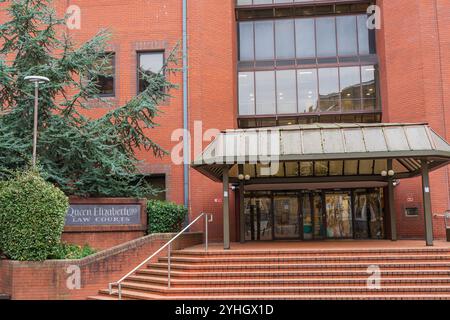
(265,92)
(329,89)
(368,87)
(363,35)
(350,88)
(246,93)
(246,49)
(346,32)
(305,38)
(284,37)
(264,40)
(307,90)
(286,92)
(105,82)
(326,37)
(150,63)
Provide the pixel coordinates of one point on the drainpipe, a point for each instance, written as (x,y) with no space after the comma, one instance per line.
(186,140)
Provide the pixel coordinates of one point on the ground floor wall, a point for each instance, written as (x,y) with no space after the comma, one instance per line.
(57,279)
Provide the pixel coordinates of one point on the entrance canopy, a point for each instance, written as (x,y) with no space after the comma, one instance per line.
(323,152)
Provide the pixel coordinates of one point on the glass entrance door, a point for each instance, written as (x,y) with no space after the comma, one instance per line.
(339,215)
(258,218)
(368,208)
(286,216)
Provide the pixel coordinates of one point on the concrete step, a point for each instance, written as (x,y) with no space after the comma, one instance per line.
(301,266)
(312,252)
(264,290)
(317,259)
(175,274)
(299,281)
(136,295)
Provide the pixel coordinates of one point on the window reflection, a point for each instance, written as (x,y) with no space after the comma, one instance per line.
(284,36)
(246,93)
(286,95)
(305,38)
(264,40)
(265,92)
(350,82)
(246,50)
(307,90)
(326,37)
(346,31)
(329,89)
(363,35)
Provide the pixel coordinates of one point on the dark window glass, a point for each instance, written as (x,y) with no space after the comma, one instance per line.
(246,49)
(284,37)
(307,90)
(329,89)
(350,88)
(105,82)
(346,31)
(264,40)
(286,92)
(246,93)
(305,38)
(326,37)
(265,92)
(149,63)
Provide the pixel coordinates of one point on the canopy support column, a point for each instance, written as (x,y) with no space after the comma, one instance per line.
(241,206)
(428,217)
(392,213)
(226,209)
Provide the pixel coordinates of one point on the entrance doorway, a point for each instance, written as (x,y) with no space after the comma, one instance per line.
(314,215)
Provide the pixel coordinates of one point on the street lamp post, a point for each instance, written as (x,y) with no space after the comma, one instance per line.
(36,80)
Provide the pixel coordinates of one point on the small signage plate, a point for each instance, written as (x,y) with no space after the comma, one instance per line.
(103,215)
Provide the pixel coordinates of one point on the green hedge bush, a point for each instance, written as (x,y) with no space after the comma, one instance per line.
(71,251)
(164,217)
(32,215)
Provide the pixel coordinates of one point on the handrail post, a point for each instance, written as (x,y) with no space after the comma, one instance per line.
(120,291)
(168,265)
(206,232)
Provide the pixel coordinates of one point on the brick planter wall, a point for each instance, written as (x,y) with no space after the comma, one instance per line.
(47,280)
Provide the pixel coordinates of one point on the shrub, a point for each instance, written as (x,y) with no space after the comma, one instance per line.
(32,215)
(164,216)
(71,251)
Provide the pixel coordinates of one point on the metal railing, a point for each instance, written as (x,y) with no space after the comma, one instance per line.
(168,245)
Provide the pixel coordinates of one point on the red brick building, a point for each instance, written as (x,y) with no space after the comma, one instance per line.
(399,73)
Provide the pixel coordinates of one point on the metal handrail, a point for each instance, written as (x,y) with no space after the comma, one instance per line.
(169,245)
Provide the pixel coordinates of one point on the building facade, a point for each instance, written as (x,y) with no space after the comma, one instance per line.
(266,63)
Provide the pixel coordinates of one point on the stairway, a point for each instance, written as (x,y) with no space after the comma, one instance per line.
(4,296)
(422,273)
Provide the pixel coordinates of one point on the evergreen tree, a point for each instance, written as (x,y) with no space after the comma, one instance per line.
(82,156)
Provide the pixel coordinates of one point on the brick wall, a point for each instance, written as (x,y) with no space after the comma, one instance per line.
(413,46)
(47,280)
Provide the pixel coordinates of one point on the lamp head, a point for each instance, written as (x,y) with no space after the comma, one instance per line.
(38,79)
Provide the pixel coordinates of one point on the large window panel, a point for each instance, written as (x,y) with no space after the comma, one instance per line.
(305,38)
(264,41)
(265,92)
(307,90)
(363,35)
(329,89)
(246,93)
(350,82)
(368,87)
(347,37)
(284,37)
(246,48)
(326,37)
(286,92)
